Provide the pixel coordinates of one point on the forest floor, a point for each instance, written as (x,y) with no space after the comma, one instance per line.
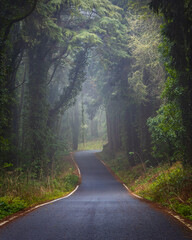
(19,190)
(169,186)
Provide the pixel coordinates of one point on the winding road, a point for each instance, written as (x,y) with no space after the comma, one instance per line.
(100,209)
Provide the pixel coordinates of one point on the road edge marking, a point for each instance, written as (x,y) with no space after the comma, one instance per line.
(10,219)
(73,159)
(36,207)
(77,167)
(137,196)
(174,215)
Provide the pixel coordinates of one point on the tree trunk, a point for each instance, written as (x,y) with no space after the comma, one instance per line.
(75,126)
(37,112)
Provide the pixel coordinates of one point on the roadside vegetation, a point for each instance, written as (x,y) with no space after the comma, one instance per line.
(75,71)
(168,185)
(93,145)
(20,190)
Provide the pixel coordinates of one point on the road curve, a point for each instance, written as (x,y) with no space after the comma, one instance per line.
(100,209)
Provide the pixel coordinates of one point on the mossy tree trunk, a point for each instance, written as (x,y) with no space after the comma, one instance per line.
(37,131)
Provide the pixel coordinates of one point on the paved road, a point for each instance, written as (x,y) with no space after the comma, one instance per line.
(100,209)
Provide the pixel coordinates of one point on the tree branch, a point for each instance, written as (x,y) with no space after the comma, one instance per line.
(7,30)
(71,89)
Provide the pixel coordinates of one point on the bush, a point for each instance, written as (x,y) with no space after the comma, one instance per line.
(10,205)
(169,186)
(19,189)
(70,182)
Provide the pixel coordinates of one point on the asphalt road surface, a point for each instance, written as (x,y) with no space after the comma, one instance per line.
(100,209)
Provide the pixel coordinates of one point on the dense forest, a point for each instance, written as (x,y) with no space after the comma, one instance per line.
(76,70)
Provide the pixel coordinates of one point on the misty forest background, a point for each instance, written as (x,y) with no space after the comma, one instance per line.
(117,73)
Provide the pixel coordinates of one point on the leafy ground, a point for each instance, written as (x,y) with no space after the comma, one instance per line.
(171,186)
(19,190)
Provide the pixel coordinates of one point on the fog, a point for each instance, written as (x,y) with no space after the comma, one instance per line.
(79,72)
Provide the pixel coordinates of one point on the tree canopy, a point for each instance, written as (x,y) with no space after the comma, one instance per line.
(136,65)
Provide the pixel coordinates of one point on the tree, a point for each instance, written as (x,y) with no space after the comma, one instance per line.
(56,34)
(129,80)
(177,44)
(11,51)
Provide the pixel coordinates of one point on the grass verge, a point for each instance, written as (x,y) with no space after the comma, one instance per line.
(91,145)
(171,186)
(18,190)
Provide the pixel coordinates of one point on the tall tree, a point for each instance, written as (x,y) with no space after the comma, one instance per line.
(11,50)
(178,50)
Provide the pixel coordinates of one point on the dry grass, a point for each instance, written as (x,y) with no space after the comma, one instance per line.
(169,186)
(19,190)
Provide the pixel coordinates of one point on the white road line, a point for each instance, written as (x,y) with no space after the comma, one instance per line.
(79,172)
(3,223)
(181,220)
(43,204)
(174,215)
(132,192)
(38,206)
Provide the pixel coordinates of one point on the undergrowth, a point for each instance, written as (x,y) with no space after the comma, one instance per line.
(171,186)
(19,190)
